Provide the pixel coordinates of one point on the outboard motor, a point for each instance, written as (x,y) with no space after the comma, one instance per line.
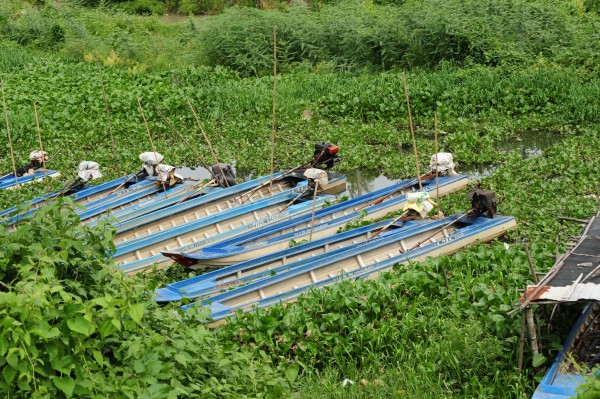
(444,165)
(325,155)
(224,174)
(483,202)
(151,161)
(166,175)
(36,161)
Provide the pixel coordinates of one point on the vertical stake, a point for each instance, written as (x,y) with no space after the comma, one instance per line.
(532,330)
(437,183)
(150,137)
(108,121)
(186,143)
(522,341)
(531,268)
(274,106)
(412,132)
(209,145)
(12,154)
(37,122)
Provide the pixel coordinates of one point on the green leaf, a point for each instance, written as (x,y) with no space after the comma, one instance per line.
(12,358)
(136,312)
(9,374)
(538,360)
(291,373)
(98,357)
(45,331)
(81,325)
(65,384)
(107,328)
(62,364)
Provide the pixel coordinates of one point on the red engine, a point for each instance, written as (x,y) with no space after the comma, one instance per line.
(325,155)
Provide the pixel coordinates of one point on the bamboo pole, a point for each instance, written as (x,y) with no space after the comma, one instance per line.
(209,144)
(522,341)
(112,138)
(312,219)
(437,183)
(532,331)
(274,107)
(37,122)
(531,268)
(185,141)
(412,132)
(12,153)
(150,137)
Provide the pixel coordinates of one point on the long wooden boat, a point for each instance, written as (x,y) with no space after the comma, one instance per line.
(577,359)
(9,182)
(122,198)
(84,196)
(138,221)
(326,222)
(153,194)
(136,255)
(214,281)
(361,261)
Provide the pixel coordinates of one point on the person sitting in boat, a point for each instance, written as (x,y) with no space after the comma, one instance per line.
(223,173)
(36,161)
(317,178)
(419,203)
(442,161)
(88,170)
(151,160)
(166,175)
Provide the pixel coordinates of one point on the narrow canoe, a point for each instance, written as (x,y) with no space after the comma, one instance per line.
(98,199)
(212,282)
(9,182)
(138,224)
(84,196)
(579,355)
(136,255)
(326,222)
(361,261)
(153,194)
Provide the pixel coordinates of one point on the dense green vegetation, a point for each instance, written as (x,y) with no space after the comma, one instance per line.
(493,71)
(350,35)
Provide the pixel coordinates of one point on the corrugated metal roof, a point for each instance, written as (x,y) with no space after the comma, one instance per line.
(576,275)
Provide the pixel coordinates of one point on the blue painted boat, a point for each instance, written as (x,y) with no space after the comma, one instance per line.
(83,196)
(210,204)
(151,194)
(137,255)
(361,261)
(9,182)
(99,197)
(579,355)
(326,222)
(160,208)
(210,283)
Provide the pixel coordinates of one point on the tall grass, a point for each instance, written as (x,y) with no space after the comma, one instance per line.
(350,35)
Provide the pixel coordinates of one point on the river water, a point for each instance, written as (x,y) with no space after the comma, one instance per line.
(529,143)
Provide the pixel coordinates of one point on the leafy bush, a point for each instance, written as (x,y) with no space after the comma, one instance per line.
(74,326)
(591,388)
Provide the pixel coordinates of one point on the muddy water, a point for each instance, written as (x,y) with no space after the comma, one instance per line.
(528,143)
